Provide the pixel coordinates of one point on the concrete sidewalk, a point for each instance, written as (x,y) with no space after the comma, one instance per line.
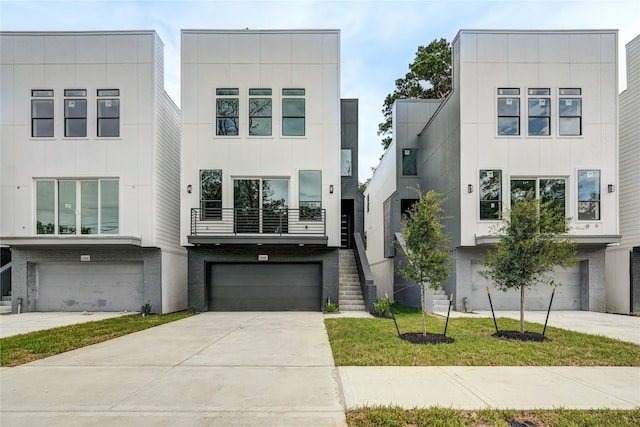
(14,324)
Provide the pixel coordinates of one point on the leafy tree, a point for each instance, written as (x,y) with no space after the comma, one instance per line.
(532,242)
(427,246)
(429,77)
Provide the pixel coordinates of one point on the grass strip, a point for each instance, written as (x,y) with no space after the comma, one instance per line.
(374,342)
(24,348)
(398,417)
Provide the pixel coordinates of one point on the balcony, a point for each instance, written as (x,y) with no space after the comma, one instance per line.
(238,226)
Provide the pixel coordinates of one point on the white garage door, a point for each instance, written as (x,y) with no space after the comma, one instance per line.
(90,286)
(567,296)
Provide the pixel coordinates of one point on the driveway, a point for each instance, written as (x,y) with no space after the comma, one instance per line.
(214,369)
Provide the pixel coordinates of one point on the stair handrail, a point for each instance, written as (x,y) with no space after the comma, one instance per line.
(367,284)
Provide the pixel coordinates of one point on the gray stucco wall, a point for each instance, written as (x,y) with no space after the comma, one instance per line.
(25,260)
(199,256)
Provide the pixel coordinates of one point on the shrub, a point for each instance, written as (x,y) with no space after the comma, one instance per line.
(382,307)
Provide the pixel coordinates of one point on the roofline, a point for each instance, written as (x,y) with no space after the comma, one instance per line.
(77,33)
(534,31)
(258,31)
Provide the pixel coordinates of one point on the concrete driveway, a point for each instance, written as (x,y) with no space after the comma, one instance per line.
(214,369)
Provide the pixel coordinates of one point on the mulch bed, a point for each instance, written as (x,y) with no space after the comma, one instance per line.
(516,335)
(419,338)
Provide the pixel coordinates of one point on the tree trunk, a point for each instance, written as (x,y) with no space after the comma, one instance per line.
(522,309)
(424,316)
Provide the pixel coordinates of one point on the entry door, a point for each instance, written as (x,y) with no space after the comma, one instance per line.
(261,205)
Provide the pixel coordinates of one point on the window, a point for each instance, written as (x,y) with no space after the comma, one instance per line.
(409,162)
(490,194)
(570,112)
(75,113)
(588,195)
(293,112)
(261,205)
(539,112)
(260,112)
(548,189)
(211,194)
(108,113)
(227,107)
(508,111)
(345,162)
(42,113)
(310,197)
(57,204)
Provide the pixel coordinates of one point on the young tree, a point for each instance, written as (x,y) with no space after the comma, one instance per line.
(532,242)
(429,77)
(427,245)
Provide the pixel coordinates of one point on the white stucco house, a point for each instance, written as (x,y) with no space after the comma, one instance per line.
(90,148)
(529,111)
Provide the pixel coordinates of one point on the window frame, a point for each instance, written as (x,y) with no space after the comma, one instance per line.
(307,210)
(508,94)
(104,96)
(346,165)
(409,154)
(227,95)
(290,95)
(537,188)
(543,98)
(569,94)
(260,94)
(597,202)
(71,96)
(43,97)
(205,212)
(483,191)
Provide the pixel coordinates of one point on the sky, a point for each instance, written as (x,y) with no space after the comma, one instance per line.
(378,38)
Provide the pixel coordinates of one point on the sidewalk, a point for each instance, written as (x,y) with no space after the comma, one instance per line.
(14,324)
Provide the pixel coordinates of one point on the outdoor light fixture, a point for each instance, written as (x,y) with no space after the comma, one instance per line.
(611,188)
(470,188)
(189,188)
(331,189)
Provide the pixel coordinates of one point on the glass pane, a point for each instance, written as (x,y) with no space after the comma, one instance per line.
(588,210)
(293,126)
(293,107)
(226,126)
(66,207)
(75,127)
(259,91)
(89,207)
(260,126)
(75,108)
(42,128)
(539,107)
(109,127)
(490,185)
(42,92)
(225,91)
(42,108)
(538,125)
(45,207)
(409,162)
(508,126)
(275,201)
(345,162)
(570,91)
(553,190)
(508,91)
(108,108)
(570,125)
(290,92)
(570,107)
(260,116)
(260,107)
(108,92)
(539,91)
(246,201)
(588,185)
(522,189)
(75,92)
(109,207)
(310,186)
(211,194)
(490,209)
(227,116)
(508,106)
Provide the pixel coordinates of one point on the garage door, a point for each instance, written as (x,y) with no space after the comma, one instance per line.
(567,295)
(264,287)
(90,286)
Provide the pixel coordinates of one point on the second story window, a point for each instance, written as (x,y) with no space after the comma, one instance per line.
(75,112)
(490,194)
(227,111)
(310,195)
(260,112)
(570,112)
(409,162)
(108,113)
(42,113)
(211,194)
(345,162)
(508,111)
(551,190)
(539,109)
(588,194)
(293,112)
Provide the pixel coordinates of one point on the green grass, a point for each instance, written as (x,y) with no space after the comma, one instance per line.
(24,348)
(374,342)
(398,417)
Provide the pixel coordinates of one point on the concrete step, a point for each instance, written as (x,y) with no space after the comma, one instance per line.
(352,307)
(6,298)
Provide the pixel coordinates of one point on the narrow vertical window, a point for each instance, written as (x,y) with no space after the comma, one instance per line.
(539,110)
(293,112)
(345,162)
(89,207)
(570,112)
(409,162)
(227,112)
(75,112)
(490,194)
(108,113)
(508,111)
(45,207)
(66,207)
(260,112)
(211,194)
(42,113)
(310,195)
(109,207)
(553,190)
(588,194)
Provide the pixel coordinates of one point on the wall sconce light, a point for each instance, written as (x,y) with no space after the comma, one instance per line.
(470,188)
(331,189)
(189,188)
(611,188)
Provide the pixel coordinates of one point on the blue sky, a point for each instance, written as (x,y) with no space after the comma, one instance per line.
(378,38)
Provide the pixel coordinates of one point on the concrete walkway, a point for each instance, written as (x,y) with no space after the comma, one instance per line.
(14,324)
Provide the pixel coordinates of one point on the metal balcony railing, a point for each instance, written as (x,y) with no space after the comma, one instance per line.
(246,221)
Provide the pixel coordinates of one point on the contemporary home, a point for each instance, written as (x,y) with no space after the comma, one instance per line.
(262,216)
(90,148)
(530,111)
(623,261)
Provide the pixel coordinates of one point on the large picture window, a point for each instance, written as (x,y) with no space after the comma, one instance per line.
(227,112)
(108,113)
(551,190)
(508,111)
(260,112)
(588,195)
(75,113)
(490,194)
(42,113)
(57,204)
(293,112)
(310,195)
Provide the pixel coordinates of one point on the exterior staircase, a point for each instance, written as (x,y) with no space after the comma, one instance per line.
(5,305)
(440,301)
(350,293)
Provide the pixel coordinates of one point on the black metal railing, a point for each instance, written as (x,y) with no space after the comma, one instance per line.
(248,221)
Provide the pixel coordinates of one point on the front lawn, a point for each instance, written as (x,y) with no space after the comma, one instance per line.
(374,342)
(24,348)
